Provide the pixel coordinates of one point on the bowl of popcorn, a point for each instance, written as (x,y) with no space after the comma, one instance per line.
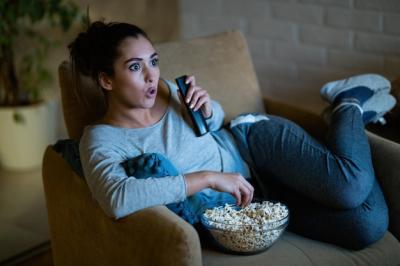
(247,230)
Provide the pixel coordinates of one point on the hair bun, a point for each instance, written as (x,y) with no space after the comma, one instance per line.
(96,49)
(84,48)
(97,30)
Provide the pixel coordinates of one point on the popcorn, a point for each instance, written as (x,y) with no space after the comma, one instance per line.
(249,229)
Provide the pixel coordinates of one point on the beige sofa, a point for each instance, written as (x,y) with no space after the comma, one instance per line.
(81,234)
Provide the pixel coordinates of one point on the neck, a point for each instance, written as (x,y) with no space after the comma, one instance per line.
(133,118)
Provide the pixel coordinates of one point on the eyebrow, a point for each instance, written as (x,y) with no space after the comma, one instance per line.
(138,58)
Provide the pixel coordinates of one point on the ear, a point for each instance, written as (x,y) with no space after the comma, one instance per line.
(105,81)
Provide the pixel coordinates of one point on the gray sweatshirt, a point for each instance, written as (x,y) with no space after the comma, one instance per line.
(104,147)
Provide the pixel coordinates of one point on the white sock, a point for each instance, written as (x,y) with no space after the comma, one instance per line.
(247,119)
(342,104)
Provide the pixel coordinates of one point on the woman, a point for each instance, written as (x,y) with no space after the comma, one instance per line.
(330,188)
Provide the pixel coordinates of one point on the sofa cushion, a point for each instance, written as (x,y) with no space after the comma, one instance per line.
(221,64)
(292,249)
(82,100)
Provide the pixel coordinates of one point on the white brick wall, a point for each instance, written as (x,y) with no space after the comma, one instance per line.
(378,5)
(298,45)
(325,37)
(353,19)
(391,23)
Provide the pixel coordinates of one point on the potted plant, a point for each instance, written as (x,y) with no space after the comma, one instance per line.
(27,121)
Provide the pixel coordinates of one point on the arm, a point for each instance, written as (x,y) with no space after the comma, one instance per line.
(232,183)
(119,195)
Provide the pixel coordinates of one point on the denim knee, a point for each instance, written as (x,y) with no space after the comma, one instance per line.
(354,189)
(368,229)
(369,222)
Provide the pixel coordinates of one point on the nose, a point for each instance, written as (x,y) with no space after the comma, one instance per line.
(149,75)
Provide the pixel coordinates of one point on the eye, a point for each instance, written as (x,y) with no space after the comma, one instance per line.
(154,62)
(135,67)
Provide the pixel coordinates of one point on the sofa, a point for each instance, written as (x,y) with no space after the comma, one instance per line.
(82,234)
(391,129)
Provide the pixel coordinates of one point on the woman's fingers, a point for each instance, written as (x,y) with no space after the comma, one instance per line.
(235,184)
(197,92)
(236,194)
(193,94)
(248,191)
(192,83)
(251,190)
(246,196)
(197,98)
(190,80)
(201,100)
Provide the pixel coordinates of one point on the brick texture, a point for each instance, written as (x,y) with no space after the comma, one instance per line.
(298,45)
(325,37)
(298,13)
(250,8)
(341,3)
(391,23)
(354,19)
(272,29)
(377,43)
(378,5)
(309,55)
(354,60)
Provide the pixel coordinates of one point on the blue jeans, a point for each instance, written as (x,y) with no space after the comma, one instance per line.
(330,188)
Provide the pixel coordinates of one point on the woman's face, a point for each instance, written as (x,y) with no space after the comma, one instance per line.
(136,74)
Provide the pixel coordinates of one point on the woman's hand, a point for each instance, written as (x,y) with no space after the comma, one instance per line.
(198,98)
(232,183)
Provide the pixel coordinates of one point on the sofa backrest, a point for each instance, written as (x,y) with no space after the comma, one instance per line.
(221,64)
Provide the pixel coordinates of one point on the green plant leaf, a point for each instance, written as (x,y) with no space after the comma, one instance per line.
(17,17)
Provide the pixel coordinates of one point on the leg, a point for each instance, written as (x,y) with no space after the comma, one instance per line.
(352,228)
(338,177)
(330,189)
(321,187)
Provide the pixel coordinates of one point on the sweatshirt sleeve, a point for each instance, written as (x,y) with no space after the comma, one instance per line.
(216,120)
(119,194)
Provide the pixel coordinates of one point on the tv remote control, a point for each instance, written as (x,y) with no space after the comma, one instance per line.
(199,122)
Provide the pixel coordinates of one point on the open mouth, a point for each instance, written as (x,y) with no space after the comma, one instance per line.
(151,92)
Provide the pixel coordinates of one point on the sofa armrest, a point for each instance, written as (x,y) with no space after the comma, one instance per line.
(311,122)
(386,160)
(385,154)
(81,233)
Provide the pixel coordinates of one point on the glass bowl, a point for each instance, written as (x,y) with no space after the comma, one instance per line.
(251,235)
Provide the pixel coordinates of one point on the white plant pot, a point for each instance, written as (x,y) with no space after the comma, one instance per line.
(23,140)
